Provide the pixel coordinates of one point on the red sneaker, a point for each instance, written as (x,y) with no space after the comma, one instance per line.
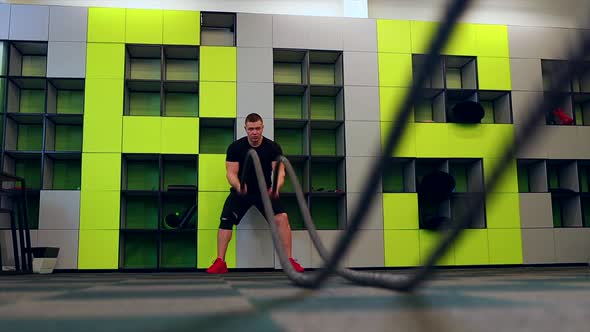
(218,267)
(296,265)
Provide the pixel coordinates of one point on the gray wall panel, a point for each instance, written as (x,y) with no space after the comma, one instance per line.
(29,22)
(535,210)
(66,59)
(66,241)
(374,218)
(572,245)
(254,30)
(538,42)
(302,248)
(360,34)
(307,32)
(356,170)
(254,249)
(59,210)
(255,98)
(363,138)
(4,20)
(68,23)
(367,250)
(526,74)
(255,64)
(361,103)
(361,68)
(538,246)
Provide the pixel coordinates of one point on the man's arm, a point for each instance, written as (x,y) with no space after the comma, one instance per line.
(281,177)
(232,170)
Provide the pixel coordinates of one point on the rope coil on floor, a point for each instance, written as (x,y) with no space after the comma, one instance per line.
(407,282)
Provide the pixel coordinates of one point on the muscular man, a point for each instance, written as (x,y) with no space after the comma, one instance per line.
(240,198)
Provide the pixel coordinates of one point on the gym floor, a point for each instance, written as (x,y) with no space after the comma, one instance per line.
(501,299)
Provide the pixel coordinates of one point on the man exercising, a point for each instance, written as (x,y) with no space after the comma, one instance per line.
(240,199)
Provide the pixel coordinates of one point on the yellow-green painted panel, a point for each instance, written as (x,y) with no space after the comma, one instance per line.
(95,137)
(393,36)
(421,33)
(209,210)
(182,27)
(429,240)
(180,136)
(217,99)
(212,176)
(505,246)
(503,210)
(402,247)
(98,249)
(106,25)
(105,60)
(141,134)
(144,26)
(494,73)
(101,171)
(432,140)
(103,98)
(472,248)
(492,40)
(218,64)
(99,209)
(468,140)
(407,146)
(390,101)
(103,113)
(463,40)
(497,137)
(508,182)
(395,69)
(400,211)
(207,249)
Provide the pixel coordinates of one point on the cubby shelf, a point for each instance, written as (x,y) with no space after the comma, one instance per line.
(575,96)
(148,199)
(404,175)
(309,126)
(162,80)
(218,29)
(454,80)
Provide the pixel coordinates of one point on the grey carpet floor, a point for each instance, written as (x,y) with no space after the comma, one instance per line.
(502,299)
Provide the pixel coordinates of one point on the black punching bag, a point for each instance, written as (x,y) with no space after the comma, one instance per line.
(467,112)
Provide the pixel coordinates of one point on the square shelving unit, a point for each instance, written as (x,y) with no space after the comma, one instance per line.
(581,105)
(216,134)
(497,106)
(431,105)
(399,176)
(563,183)
(139,250)
(584,175)
(289,202)
(143,80)
(290,76)
(178,250)
(62,171)
(325,68)
(468,175)
(218,29)
(327,138)
(301,167)
(328,212)
(424,166)
(28,59)
(293,137)
(181,81)
(460,72)
(532,176)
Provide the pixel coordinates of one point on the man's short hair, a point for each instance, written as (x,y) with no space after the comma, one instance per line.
(253,117)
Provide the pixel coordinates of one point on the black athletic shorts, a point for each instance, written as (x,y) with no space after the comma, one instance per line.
(236,206)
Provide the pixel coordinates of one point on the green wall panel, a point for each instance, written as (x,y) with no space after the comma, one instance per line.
(141,134)
(505,246)
(395,69)
(180,136)
(106,25)
(503,210)
(218,64)
(182,27)
(217,99)
(393,36)
(472,248)
(207,249)
(98,249)
(212,175)
(400,211)
(494,73)
(492,40)
(144,26)
(105,60)
(99,209)
(402,248)
(101,171)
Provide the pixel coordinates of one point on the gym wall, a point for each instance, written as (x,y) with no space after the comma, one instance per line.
(100,119)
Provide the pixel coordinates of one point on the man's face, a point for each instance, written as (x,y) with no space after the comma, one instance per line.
(254,131)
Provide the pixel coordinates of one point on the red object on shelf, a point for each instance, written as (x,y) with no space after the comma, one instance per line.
(564,118)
